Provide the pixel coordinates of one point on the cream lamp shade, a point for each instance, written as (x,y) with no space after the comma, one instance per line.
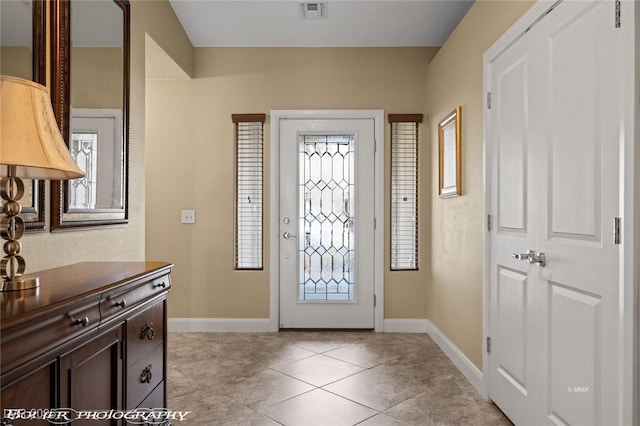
(29,135)
(30,147)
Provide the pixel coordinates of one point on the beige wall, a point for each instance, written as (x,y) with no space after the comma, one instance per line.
(96,77)
(190,134)
(15,61)
(46,250)
(454,77)
(157,19)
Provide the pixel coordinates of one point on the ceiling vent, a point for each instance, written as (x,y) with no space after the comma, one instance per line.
(313,10)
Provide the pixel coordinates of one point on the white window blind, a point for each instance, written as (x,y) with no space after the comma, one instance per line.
(249,137)
(404,191)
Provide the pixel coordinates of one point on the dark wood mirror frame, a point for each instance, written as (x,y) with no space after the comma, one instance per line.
(61,219)
(34,216)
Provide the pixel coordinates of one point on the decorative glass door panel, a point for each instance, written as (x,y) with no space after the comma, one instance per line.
(326,218)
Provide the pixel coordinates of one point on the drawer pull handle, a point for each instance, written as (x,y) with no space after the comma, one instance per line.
(84,321)
(148,331)
(122,303)
(162,284)
(145,376)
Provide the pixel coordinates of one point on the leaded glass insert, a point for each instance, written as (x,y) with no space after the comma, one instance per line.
(326,185)
(84,150)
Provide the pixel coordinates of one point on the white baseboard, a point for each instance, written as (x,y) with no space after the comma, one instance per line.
(466,367)
(219,325)
(407,325)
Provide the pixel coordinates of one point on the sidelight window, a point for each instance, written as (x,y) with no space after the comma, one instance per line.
(404,191)
(249,154)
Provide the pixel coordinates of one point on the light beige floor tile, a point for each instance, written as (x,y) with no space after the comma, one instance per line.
(323,341)
(448,400)
(378,388)
(319,346)
(317,408)
(285,355)
(180,384)
(257,379)
(382,420)
(319,370)
(262,389)
(363,354)
(207,409)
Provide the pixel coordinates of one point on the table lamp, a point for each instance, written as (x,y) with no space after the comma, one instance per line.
(31,147)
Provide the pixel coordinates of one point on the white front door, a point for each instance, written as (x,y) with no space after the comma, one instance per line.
(555,184)
(326,223)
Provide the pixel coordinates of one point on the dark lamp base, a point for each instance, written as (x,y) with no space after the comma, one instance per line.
(19,284)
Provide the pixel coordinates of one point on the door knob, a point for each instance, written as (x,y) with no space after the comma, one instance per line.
(532,257)
(528,256)
(288,235)
(541,259)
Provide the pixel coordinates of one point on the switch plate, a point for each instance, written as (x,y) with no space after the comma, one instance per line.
(188,216)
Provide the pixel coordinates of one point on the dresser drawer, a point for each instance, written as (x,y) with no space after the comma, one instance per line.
(115,302)
(144,331)
(28,340)
(155,399)
(144,375)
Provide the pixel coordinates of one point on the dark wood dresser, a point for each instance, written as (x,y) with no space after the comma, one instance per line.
(91,337)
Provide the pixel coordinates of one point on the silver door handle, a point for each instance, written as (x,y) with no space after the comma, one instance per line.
(532,257)
(528,256)
(288,235)
(540,259)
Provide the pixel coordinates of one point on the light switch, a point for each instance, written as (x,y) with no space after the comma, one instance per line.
(188,216)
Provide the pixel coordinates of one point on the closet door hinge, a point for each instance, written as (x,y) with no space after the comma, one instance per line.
(617,13)
(488,100)
(374,301)
(617,226)
(489,222)
(488,344)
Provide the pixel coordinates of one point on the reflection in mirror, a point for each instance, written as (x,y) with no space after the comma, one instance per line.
(22,40)
(94,120)
(96,146)
(96,104)
(16,19)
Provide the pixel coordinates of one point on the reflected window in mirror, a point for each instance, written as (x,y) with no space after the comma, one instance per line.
(91,73)
(22,54)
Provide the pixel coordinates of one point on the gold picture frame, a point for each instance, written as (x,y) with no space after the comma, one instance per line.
(450,154)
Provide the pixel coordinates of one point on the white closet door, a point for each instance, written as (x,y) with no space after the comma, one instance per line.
(555,182)
(579,183)
(514,378)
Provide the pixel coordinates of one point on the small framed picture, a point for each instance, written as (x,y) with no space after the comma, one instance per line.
(450,154)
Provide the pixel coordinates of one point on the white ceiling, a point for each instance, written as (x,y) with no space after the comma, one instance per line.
(96,23)
(365,23)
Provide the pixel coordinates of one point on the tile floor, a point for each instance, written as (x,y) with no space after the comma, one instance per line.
(319,378)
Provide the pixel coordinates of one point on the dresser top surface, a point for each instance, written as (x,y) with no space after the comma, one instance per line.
(60,287)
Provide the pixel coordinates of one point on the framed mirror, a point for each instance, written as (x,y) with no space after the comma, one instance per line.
(90,96)
(22,54)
